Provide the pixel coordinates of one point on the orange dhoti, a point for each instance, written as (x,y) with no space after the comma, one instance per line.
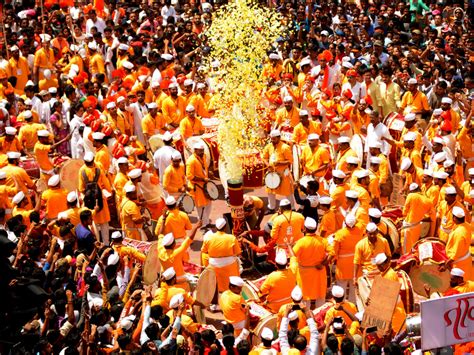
(230,267)
(312,282)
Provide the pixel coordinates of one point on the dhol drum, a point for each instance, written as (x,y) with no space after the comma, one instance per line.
(286,134)
(68,174)
(357,145)
(206,286)
(31,167)
(250,291)
(272,180)
(267,322)
(296,167)
(211,190)
(211,149)
(211,125)
(429,274)
(253,168)
(364,285)
(151,267)
(395,123)
(156,141)
(186,203)
(406,291)
(392,233)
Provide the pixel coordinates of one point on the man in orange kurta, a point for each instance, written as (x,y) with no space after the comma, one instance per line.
(289,115)
(197,175)
(130,214)
(191,125)
(459,242)
(311,256)
(232,304)
(54,199)
(277,155)
(445,221)
(173,106)
(223,250)
(288,225)
(315,159)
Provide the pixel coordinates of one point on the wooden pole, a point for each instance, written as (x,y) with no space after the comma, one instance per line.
(4,34)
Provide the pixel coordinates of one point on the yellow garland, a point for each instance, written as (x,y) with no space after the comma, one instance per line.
(239,37)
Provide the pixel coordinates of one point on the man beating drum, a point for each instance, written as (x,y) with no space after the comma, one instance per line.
(278,157)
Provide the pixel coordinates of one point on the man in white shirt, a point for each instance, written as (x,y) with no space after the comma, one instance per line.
(376,131)
(139,110)
(96,22)
(162,157)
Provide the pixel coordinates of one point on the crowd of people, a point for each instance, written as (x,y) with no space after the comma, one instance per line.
(108,119)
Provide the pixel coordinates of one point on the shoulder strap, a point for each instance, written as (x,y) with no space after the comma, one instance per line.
(97,175)
(84,176)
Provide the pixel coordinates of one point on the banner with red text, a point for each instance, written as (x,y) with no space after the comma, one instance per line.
(447,321)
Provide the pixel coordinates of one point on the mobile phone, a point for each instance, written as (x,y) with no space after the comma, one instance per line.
(296,307)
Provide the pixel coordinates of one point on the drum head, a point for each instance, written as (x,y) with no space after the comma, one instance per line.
(249,292)
(268,322)
(152,266)
(363,292)
(206,286)
(272,180)
(211,190)
(186,203)
(156,142)
(425,229)
(429,274)
(393,232)
(41,185)
(68,174)
(296,168)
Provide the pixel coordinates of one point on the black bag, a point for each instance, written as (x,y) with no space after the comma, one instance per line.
(93,194)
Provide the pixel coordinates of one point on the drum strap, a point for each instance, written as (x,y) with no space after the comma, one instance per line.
(345,255)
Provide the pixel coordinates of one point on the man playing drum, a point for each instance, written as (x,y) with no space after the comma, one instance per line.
(276,289)
(43,148)
(365,252)
(190,125)
(197,175)
(314,158)
(173,221)
(278,157)
(174,178)
(233,304)
(417,208)
(344,151)
(459,242)
(54,199)
(125,250)
(223,250)
(172,255)
(305,128)
(354,207)
(311,255)
(342,252)
(130,214)
(445,219)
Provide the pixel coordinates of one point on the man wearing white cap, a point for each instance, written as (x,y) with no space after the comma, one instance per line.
(233,304)
(365,252)
(342,308)
(19,69)
(445,219)
(287,116)
(314,158)
(274,68)
(6,193)
(276,289)
(201,101)
(344,151)
(27,133)
(22,207)
(17,177)
(73,209)
(342,253)
(162,156)
(152,123)
(329,221)
(429,188)
(417,209)
(121,178)
(54,199)
(411,173)
(413,100)
(455,172)
(278,157)
(118,118)
(361,186)
(265,347)
(42,149)
(44,58)
(130,213)
(174,178)
(338,188)
(223,250)
(133,253)
(382,261)
(411,127)
(190,125)
(408,150)
(102,154)
(459,243)
(446,106)
(458,283)
(173,221)
(138,110)
(305,128)
(92,184)
(173,255)
(174,106)
(287,225)
(311,253)
(354,207)
(198,174)
(10,142)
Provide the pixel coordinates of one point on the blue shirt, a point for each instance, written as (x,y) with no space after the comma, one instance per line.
(85,238)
